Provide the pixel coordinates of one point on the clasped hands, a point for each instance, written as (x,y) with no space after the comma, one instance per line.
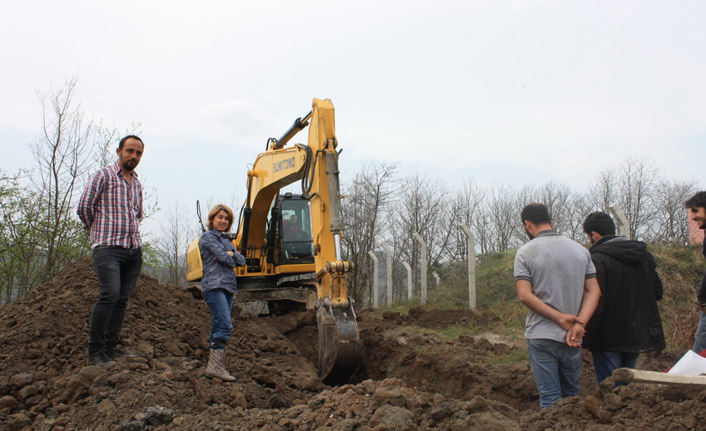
(574,329)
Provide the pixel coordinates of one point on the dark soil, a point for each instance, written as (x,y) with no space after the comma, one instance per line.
(410,378)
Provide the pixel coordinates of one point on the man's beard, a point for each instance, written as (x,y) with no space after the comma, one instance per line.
(129,164)
(531,237)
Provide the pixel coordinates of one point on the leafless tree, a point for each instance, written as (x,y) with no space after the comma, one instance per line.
(463,209)
(421,208)
(173,236)
(578,209)
(602,191)
(671,220)
(63,154)
(504,207)
(365,206)
(557,198)
(636,181)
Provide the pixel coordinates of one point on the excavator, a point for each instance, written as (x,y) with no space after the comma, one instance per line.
(292,242)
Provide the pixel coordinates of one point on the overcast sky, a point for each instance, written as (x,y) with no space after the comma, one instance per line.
(505,92)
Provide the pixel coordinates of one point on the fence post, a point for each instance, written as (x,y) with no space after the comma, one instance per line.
(409,280)
(621,220)
(471,266)
(388,252)
(423,246)
(437,278)
(375,278)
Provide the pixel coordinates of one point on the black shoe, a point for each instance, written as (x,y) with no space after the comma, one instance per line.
(113,352)
(100,360)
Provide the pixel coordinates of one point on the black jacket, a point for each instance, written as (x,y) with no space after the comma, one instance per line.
(701,294)
(627,318)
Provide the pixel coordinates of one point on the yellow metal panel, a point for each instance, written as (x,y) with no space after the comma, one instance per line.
(294,268)
(194,266)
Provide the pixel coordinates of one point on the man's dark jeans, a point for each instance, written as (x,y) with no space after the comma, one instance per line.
(117,269)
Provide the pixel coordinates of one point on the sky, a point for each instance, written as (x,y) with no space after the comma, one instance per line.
(504,92)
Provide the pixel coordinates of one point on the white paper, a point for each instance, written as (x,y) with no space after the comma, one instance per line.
(690,364)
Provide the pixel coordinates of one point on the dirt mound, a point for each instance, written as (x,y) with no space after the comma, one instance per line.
(410,377)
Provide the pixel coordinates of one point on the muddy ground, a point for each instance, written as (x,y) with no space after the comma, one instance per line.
(409,379)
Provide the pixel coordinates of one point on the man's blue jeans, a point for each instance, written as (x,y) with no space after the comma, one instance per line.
(117,269)
(556,368)
(700,336)
(604,363)
(220,302)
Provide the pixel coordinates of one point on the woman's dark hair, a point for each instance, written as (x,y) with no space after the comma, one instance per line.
(599,222)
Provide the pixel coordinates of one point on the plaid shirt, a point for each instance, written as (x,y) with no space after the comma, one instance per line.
(111,208)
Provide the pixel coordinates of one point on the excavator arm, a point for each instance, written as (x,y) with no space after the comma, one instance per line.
(316,166)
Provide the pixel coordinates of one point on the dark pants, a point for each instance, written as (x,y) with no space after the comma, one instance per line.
(604,363)
(117,269)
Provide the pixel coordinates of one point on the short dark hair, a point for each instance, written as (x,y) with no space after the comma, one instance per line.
(696,201)
(599,222)
(536,213)
(122,141)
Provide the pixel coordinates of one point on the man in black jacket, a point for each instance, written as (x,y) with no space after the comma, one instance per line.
(697,211)
(627,320)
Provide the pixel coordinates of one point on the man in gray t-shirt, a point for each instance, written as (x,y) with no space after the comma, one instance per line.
(556,280)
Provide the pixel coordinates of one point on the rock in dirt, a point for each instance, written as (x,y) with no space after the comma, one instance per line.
(17,422)
(393,418)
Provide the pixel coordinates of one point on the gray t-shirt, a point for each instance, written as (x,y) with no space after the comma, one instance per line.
(557,268)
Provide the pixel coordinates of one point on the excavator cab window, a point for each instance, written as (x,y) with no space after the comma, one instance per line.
(297,245)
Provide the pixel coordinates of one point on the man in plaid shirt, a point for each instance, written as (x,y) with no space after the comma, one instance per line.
(111,209)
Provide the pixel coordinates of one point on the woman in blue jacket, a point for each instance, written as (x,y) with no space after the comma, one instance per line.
(218,285)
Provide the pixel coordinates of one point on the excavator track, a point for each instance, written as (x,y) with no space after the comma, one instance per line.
(340,348)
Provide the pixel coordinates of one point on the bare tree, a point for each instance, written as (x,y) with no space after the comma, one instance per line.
(636,182)
(504,218)
(421,208)
(557,198)
(671,222)
(174,235)
(602,190)
(63,154)
(366,203)
(463,209)
(578,209)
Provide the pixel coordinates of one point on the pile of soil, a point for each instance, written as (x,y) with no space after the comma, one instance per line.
(410,378)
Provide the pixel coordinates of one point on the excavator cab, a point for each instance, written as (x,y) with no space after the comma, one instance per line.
(296,244)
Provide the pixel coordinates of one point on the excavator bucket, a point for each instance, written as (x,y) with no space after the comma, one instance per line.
(339,344)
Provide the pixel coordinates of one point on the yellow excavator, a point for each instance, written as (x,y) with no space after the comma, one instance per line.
(292,242)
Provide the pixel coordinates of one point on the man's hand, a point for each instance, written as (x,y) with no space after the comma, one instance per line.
(574,335)
(566,321)
(230,253)
(586,356)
